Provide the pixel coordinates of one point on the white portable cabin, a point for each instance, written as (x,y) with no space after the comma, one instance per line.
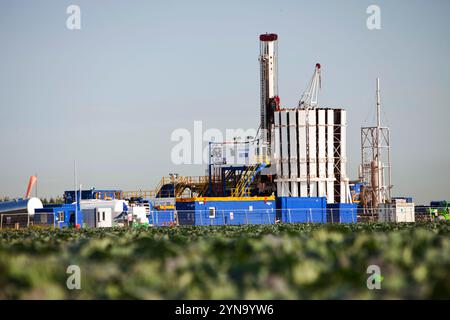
(138,214)
(396,212)
(98,217)
(116,206)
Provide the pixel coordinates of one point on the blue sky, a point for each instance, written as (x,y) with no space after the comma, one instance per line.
(109,95)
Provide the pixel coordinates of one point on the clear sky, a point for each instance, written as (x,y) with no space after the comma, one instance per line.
(110,95)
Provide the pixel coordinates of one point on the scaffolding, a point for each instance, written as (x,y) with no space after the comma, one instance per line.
(234,165)
(170,187)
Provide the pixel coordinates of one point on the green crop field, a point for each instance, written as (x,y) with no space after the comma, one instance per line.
(282,261)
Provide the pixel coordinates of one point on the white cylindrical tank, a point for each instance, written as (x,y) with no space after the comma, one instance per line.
(117,206)
(32,204)
(22,206)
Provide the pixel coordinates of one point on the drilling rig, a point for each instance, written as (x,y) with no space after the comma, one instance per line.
(270,101)
(375,167)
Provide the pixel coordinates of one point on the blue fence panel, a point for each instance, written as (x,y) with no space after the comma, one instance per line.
(301,210)
(342,213)
(161,217)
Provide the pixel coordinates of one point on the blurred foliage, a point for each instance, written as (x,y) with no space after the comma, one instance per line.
(283,261)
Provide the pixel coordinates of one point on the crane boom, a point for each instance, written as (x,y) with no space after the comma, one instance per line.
(310,98)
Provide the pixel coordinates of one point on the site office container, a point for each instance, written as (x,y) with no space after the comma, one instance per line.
(226,210)
(396,212)
(301,209)
(63,216)
(342,213)
(70,213)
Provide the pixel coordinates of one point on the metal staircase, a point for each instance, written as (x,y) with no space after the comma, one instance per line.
(244,182)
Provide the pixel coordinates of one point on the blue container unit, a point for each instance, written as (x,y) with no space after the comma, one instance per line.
(226,211)
(439,204)
(342,212)
(69,196)
(301,209)
(162,216)
(63,216)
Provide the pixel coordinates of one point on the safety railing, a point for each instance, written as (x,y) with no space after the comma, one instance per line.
(181,179)
(192,179)
(108,195)
(179,182)
(169,216)
(139,194)
(235,192)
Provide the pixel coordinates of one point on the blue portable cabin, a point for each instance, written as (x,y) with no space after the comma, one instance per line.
(301,209)
(63,216)
(207,211)
(342,212)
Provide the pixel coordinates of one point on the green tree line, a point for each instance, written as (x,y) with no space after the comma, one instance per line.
(51,200)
